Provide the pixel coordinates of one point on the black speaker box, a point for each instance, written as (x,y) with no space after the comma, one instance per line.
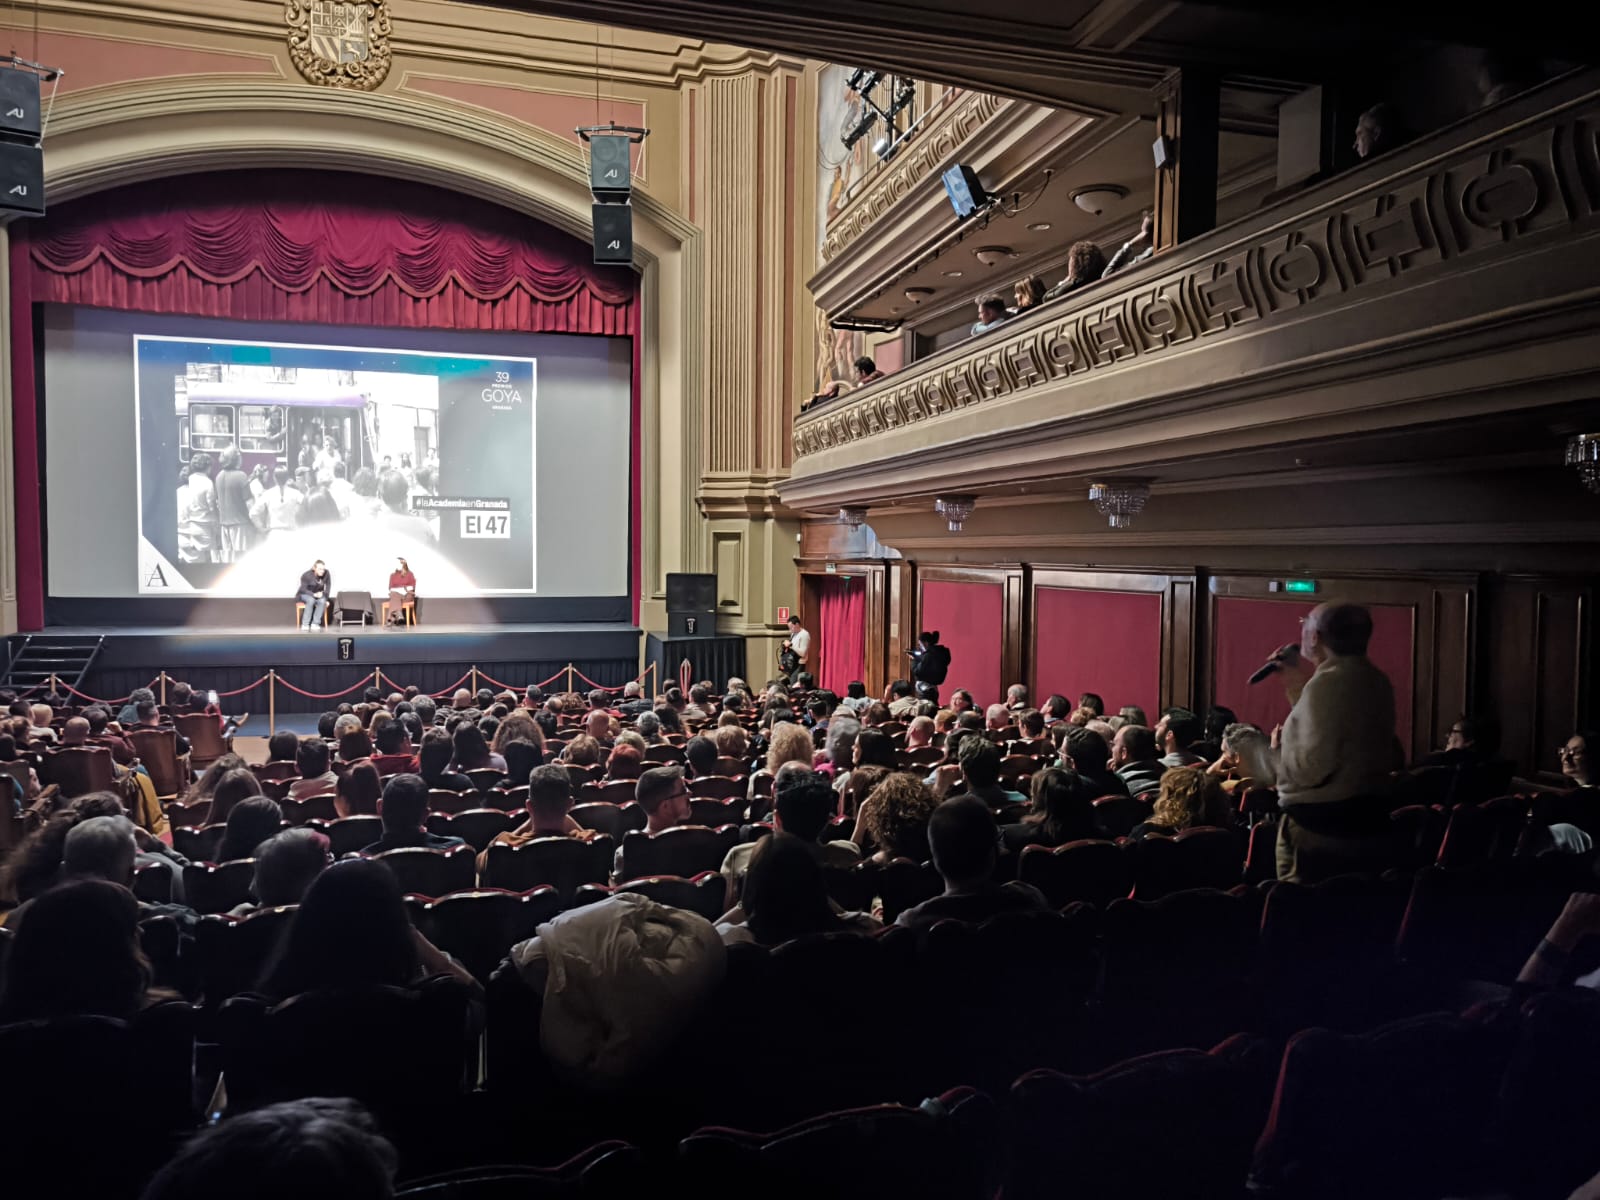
(613,233)
(19,103)
(692,624)
(610,171)
(22,178)
(691,591)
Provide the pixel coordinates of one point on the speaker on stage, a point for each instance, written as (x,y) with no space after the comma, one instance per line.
(691,604)
(613,233)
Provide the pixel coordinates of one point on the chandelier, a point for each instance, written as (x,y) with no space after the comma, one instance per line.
(955,510)
(852,516)
(1583,453)
(1120,500)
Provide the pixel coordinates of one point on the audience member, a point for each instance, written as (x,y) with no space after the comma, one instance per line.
(404,810)
(1086,753)
(549,812)
(803,805)
(472,751)
(359,791)
(980,768)
(1028,293)
(352,930)
(992,313)
(252,821)
(1136,249)
(1085,264)
(100,848)
(840,748)
(1218,718)
(701,755)
(785,896)
(892,821)
(1133,714)
(101,734)
(664,796)
(1190,798)
(521,756)
(287,863)
(1577,758)
(1133,758)
(919,734)
(963,841)
(627,758)
(316,775)
(355,745)
(1378,130)
(1247,758)
(1176,732)
(434,763)
(282,746)
(1062,812)
(234,786)
(394,751)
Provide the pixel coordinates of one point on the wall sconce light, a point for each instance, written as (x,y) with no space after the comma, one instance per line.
(955,510)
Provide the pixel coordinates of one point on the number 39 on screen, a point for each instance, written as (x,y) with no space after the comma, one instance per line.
(485,525)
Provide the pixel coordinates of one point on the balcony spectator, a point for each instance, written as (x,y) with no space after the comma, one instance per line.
(1137,248)
(1577,759)
(866,372)
(1378,130)
(992,312)
(1028,293)
(1085,264)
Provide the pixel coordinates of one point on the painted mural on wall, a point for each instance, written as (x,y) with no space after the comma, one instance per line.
(838,172)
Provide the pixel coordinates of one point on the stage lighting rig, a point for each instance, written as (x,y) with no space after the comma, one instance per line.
(902,95)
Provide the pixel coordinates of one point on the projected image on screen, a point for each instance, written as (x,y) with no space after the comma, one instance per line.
(257,458)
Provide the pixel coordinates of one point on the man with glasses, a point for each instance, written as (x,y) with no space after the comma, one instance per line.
(1577,758)
(664,796)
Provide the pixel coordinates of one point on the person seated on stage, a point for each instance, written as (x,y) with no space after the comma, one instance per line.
(627,759)
(549,809)
(964,843)
(358,792)
(701,753)
(472,750)
(598,725)
(251,821)
(402,591)
(393,745)
(287,864)
(404,810)
(316,776)
(434,763)
(100,735)
(148,716)
(522,757)
(316,586)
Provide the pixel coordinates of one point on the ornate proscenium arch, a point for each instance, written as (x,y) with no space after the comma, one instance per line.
(115,136)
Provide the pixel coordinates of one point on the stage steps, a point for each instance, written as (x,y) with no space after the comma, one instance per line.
(35,657)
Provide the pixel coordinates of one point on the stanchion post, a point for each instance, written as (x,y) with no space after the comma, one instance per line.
(55,684)
(163,687)
(377,679)
(474,679)
(569,677)
(272,701)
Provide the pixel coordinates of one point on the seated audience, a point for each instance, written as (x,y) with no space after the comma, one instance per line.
(355,745)
(980,769)
(839,749)
(1133,758)
(583,751)
(1062,812)
(404,810)
(433,763)
(317,777)
(874,748)
(1085,264)
(101,734)
(996,718)
(1028,293)
(472,751)
(1086,753)
(352,930)
(701,753)
(855,697)
(78,955)
(803,804)
(1247,758)
(875,714)
(1190,798)
(1577,758)
(1136,249)
(35,864)
(100,848)
(732,742)
(128,714)
(1133,715)
(29,781)
(394,753)
(549,809)
(1218,718)
(521,756)
(313,1149)
(992,313)
(598,726)
(648,726)
(963,839)
(519,725)
(1093,702)
(664,796)
(1177,731)
(1378,130)
(1031,734)
(287,864)
(148,716)
(919,734)
(627,758)
(901,698)
(359,791)
(893,820)
(791,743)
(785,896)
(250,822)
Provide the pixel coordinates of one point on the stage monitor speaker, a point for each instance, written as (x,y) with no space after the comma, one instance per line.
(19,103)
(22,178)
(610,168)
(691,592)
(613,233)
(692,624)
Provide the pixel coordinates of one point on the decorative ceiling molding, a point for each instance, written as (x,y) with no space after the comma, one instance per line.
(1465,533)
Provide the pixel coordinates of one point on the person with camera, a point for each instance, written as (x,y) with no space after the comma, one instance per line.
(930,663)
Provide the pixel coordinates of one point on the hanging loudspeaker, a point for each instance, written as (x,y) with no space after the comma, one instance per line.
(613,233)
(610,171)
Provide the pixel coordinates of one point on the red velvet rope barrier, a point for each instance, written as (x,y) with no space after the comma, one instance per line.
(324,696)
(639,678)
(249,687)
(511,687)
(85,695)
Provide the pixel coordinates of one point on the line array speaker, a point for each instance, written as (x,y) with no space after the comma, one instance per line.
(613,233)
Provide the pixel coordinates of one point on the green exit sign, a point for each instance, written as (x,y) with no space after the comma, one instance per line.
(1302,586)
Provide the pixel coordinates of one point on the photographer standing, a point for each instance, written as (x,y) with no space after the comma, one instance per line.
(930,663)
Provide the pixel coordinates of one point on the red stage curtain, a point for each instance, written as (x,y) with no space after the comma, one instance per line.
(1249,630)
(841,635)
(970,618)
(1094,641)
(310,246)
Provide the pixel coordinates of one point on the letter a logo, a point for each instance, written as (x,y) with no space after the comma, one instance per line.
(156,578)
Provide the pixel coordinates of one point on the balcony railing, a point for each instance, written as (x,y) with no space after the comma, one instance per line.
(1487,190)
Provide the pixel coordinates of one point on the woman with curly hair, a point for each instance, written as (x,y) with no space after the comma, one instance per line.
(1086,262)
(1189,799)
(893,821)
(518,725)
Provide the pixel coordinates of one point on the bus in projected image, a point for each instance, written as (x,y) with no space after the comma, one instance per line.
(274,424)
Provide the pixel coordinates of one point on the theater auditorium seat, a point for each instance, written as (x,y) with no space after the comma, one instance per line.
(563,863)
(684,851)
(427,872)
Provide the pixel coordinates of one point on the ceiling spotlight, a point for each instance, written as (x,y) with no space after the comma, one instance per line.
(989,255)
(955,510)
(868,119)
(918,294)
(862,80)
(1039,226)
(952,274)
(1120,500)
(852,516)
(1095,200)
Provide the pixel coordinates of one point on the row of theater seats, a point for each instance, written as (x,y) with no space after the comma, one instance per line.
(1429,1105)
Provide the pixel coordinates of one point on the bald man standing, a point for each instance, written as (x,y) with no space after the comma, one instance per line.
(1336,751)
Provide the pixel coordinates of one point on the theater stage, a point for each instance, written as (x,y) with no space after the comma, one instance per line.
(433,657)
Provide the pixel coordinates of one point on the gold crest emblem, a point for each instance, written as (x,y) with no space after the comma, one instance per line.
(340,43)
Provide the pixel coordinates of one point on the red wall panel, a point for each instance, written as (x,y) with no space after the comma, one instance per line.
(1098,641)
(1249,630)
(970,618)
